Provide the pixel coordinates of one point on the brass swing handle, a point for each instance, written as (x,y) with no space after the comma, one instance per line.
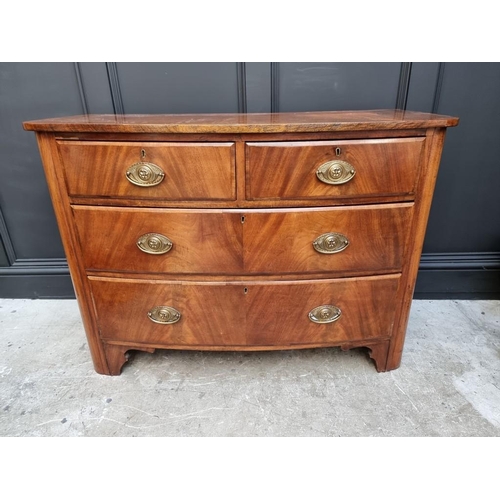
(325,314)
(330,243)
(145,174)
(164,315)
(154,243)
(335,172)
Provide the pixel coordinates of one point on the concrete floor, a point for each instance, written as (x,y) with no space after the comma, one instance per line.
(448,383)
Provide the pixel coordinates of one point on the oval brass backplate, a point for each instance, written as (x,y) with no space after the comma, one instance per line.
(164,315)
(154,243)
(330,243)
(145,174)
(335,172)
(325,314)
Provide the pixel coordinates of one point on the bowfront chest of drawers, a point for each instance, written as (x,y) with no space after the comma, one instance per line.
(243,232)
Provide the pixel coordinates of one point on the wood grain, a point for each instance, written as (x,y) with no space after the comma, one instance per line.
(242,205)
(377,351)
(117,356)
(212,313)
(277,312)
(60,202)
(234,137)
(245,242)
(245,314)
(316,121)
(281,241)
(204,241)
(193,171)
(287,170)
(427,181)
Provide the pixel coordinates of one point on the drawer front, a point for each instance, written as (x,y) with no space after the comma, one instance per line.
(210,314)
(351,240)
(334,240)
(191,171)
(246,314)
(365,168)
(278,312)
(132,239)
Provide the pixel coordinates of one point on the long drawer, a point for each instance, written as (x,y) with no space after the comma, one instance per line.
(148,170)
(251,313)
(335,240)
(333,169)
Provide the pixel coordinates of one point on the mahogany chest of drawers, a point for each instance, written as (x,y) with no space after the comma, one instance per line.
(243,231)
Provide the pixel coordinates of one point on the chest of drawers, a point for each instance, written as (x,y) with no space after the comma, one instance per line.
(244,231)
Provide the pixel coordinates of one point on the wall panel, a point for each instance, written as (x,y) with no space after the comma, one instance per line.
(465,214)
(178,87)
(31,91)
(337,86)
(462,246)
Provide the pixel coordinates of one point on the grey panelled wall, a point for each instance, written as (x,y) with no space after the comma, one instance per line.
(178,87)
(27,224)
(466,210)
(4,261)
(462,244)
(462,247)
(343,86)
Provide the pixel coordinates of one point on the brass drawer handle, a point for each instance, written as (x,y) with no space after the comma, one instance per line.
(164,315)
(154,243)
(330,243)
(335,172)
(325,314)
(145,174)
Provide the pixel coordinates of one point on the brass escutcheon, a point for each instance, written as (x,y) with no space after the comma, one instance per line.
(154,243)
(335,172)
(145,174)
(325,314)
(164,315)
(330,243)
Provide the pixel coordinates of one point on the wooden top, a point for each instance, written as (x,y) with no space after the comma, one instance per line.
(317,121)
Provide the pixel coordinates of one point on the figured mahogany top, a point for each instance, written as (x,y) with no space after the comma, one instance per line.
(316,121)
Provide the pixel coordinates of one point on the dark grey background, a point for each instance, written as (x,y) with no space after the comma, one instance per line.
(462,246)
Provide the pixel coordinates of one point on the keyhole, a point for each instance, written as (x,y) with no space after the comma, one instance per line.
(338,151)
(242,219)
(245,290)
(143,153)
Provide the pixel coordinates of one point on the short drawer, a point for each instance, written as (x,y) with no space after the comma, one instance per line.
(210,313)
(247,314)
(167,171)
(159,240)
(333,169)
(320,312)
(334,240)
